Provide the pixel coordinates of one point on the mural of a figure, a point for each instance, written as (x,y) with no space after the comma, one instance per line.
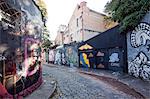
(51,56)
(140,66)
(72,56)
(58,58)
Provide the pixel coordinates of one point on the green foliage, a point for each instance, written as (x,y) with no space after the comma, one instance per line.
(127,12)
(46,44)
(41,4)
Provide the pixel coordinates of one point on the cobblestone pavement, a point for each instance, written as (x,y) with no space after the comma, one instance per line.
(46,89)
(74,85)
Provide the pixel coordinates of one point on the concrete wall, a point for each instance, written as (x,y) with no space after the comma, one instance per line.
(138,49)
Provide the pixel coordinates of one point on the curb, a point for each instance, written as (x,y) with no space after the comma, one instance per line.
(54,89)
(107,77)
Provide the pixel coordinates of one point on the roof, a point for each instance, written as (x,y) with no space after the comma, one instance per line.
(97,12)
(107,39)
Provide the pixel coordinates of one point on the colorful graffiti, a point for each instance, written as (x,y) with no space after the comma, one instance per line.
(51,56)
(58,58)
(72,55)
(85,47)
(84,61)
(66,55)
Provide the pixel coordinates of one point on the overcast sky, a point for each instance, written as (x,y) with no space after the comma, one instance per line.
(60,11)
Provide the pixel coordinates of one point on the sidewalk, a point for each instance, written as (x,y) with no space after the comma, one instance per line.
(46,90)
(142,87)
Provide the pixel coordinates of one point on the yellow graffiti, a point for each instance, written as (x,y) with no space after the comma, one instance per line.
(86,46)
(86,59)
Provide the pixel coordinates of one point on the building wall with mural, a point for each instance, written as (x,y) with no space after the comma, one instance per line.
(20,35)
(66,55)
(138,48)
(104,51)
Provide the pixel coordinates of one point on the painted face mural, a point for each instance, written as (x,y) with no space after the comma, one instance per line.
(139,66)
(32,57)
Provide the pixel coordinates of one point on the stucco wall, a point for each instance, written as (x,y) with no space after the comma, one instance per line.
(85,18)
(138,49)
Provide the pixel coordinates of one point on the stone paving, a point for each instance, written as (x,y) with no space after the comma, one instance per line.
(46,89)
(141,86)
(73,85)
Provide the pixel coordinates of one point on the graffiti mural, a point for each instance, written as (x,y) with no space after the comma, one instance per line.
(138,45)
(66,55)
(51,56)
(140,66)
(84,61)
(22,67)
(71,55)
(58,58)
(140,35)
(114,57)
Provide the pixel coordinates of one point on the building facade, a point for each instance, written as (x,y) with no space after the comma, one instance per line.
(59,40)
(85,23)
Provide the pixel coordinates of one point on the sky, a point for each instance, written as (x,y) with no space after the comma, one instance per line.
(60,12)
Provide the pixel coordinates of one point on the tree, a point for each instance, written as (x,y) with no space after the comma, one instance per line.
(46,43)
(127,12)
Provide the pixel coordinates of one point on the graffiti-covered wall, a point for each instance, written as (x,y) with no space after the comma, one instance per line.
(138,48)
(20,39)
(72,55)
(66,55)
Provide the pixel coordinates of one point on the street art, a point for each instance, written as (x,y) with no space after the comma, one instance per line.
(22,67)
(34,58)
(85,47)
(114,57)
(51,56)
(84,61)
(100,54)
(91,55)
(140,35)
(140,66)
(58,58)
(138,51)
(100,66)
